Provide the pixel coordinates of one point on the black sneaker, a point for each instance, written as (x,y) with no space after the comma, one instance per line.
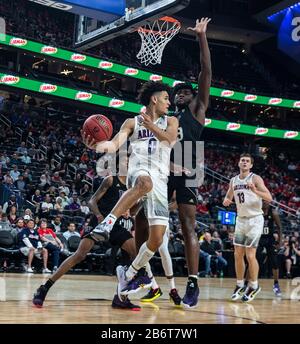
(39,296)
(238,293)
(124,304)
(174,297)
(250,294)
(190,299)
(152,295)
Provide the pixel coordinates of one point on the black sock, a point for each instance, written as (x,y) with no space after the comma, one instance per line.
(48,284)
(193,280)
(275,281)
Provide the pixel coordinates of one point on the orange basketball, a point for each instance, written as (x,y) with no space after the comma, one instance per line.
(99,127)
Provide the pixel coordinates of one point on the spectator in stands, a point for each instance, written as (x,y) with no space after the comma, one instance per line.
(74,203)
(64,188)
(20,184)
(51,242)
(12,215)
(71,231)
(30,246)
(14,173)
(19,225)
(56,225)
(44,182)
(59,205)
(22,149)
(37,199)
(4,223)
(85,192)
(84,208)
(65,199)
(214,250)
(12,202)
(56,179)
(26,159)
(46,206)
(4,160)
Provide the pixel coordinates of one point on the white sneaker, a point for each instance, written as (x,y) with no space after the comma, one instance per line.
(46,271)
(29,270)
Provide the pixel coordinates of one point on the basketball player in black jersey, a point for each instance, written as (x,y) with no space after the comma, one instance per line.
(267,241)
(190,111)
(101,203)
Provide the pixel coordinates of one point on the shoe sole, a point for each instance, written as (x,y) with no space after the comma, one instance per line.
(185,305)
(252,297)
(37,305)
(152,299)
(129,292)
(119,292)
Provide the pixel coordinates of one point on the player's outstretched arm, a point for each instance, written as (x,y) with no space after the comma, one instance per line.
(259,188)
(200,103)
(101,191)
(229,196)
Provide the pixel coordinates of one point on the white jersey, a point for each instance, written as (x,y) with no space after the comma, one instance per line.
(147,152)
(247,202)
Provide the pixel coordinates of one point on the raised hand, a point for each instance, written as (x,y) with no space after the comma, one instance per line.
(88,140)
(201,26)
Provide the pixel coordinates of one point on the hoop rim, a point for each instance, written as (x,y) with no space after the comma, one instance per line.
(166,19)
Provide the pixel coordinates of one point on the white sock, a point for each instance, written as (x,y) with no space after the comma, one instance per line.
(171,281)
(110,221)
(254,284)
(140,261)
(240,283)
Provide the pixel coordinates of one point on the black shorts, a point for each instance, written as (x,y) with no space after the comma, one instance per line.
(269,244)
(184,194)
(117,236)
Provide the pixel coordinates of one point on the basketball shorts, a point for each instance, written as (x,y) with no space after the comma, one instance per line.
(117,236)
(184,194)
(248,231)
(155,203)
(269,244)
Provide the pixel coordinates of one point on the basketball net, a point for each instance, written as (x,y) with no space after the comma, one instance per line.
(155,36)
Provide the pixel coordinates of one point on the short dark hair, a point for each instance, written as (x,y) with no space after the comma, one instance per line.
(149,88)
(184,86)
(247,155)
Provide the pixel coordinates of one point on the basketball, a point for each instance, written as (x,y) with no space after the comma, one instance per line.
(99,127)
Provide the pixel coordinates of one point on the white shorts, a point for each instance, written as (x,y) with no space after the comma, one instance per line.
(248,231)
(155,203)
(25,250)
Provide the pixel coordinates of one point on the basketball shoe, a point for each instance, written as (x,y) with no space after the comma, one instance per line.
(140,281)
(276,289)
(124,304)
(190,299)
(39,296)
(174,297)
(238,293)
(152,295)
(250,294)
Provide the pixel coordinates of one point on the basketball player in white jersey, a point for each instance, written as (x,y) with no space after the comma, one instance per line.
(248,190)
(152,135)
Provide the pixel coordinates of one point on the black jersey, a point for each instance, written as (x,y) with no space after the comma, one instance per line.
(111,197)
(268,230)
(190,130)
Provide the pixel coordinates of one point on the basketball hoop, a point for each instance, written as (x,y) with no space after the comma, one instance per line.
(155,36)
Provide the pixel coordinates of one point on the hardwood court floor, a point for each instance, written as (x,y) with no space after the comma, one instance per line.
(86,299)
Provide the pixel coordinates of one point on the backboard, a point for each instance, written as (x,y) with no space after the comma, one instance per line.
(91,32)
